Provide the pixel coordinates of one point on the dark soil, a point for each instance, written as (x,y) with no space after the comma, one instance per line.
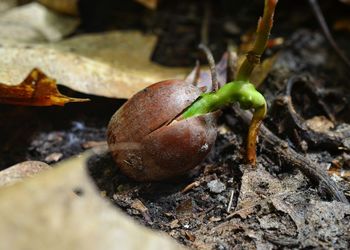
(228,205)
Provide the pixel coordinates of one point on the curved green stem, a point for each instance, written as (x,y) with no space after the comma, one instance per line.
(237,91)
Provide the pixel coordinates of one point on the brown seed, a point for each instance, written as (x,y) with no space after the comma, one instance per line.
(147,142)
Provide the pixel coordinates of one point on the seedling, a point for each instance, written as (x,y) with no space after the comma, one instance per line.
(241,90)
(169,127)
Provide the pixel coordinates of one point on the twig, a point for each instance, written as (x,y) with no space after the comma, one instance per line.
(321,20)
(232,61)
(292,158)
(190,186)
(230,202)
(331,140)
(211,61)
(256,203)
(206,22)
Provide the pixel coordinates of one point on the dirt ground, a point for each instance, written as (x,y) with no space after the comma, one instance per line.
(289,200)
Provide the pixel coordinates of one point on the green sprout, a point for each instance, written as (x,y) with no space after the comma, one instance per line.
(241,90)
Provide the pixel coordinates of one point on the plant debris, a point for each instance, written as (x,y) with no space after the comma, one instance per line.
(296,197)
(37,89)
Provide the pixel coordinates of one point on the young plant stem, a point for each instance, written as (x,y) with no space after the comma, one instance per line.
(237,91)
(262,35)
(241,90)
(252,59)
(254,128)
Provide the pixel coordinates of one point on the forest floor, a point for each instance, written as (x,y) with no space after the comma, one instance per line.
(293,199)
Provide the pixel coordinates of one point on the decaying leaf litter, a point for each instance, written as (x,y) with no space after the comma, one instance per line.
(273,206)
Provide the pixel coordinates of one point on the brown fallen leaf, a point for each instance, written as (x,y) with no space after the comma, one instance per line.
(190,236)
(340,173)
(342,25)
(174,224)
(184,209)
(33,23)
(150,4)
(139,206)
(345,1)
(340,167)
(69,7)
(114,64)
(319,124)
(37,89)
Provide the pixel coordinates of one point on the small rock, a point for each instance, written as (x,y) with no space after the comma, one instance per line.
(174,224)
(54,157)
(216,186)
(215,219)
(139,206)
(221,198)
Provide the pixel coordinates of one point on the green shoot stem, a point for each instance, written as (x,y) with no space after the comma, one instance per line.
(237,91)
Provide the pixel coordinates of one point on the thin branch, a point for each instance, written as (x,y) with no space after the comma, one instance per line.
(321,20)
(206,22)
(211,61)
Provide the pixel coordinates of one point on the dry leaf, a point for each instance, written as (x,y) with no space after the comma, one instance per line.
(261,71)
(35,23)
(139,206)
(151,4)
(345,1)
(20,171)
(61,209)
(319,124)
(342,24)
(340,167)
(184,209)
(37,89)
(115,64)
(69,7)
(339,172)
(7,4)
